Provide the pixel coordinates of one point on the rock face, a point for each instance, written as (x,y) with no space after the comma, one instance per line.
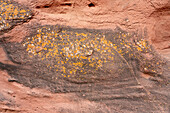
(104,67)
(11,14)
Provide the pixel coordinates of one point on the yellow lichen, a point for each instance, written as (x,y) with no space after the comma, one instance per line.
(78,52)
(10,11)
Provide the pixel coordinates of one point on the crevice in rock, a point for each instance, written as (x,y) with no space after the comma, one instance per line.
(166,48)
(164,11)
(66,4)
(45,6)
(38,7)
(63,4)
(91,5)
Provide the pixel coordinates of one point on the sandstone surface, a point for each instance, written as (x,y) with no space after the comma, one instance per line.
(138,81)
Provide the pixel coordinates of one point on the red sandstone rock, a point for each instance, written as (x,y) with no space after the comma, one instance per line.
(151,18)
(131,15)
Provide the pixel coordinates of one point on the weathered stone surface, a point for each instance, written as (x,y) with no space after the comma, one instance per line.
(12,13)
(124,78)
(99,65)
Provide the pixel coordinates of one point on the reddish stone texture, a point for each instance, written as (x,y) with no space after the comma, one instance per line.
(16,98)
(149,18)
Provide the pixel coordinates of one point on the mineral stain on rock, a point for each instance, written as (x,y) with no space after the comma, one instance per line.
(12,13)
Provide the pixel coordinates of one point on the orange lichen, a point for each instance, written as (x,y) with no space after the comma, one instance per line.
(11,13)
(77,52)
(80,49)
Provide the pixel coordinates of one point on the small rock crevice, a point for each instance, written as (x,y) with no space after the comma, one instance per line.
(54,4)
(91,4)
(164,11)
